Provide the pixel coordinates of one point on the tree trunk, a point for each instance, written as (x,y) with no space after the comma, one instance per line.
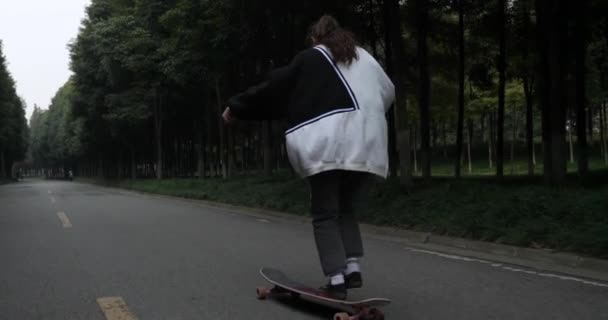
(603,128)
(424,87)
(397,116)
(246,152)
(158,124)
(502,64)
(230,153)
(590,127)
(533,155)
(444,133)
(529,125)
(208,146)
(2,165)
(557,59)
(200,155)
(267,147)
(490,139)
(177,154)
(482,127)
(414,148)
(512,147)
(544,88)
(469,142)
(570,143)
(461,66)
(388,31)
(553,30)
(403,139)
(371,27)
(528,87)
(434,134)
(222,133)
(120,166)
(133,164)
(581,100)
(100,169)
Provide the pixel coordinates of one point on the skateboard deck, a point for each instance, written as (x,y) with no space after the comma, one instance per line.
(354,310)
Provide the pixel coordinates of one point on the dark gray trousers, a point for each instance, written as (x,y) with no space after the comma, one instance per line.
(336,197)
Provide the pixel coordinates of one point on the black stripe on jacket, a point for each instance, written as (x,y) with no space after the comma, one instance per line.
(307,90)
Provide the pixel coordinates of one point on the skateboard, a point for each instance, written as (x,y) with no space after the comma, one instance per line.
(351,310)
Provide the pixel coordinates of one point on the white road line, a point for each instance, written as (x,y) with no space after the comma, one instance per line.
(512,269)
(64,219)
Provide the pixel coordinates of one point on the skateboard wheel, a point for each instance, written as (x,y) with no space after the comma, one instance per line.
(262,292)
(341,316)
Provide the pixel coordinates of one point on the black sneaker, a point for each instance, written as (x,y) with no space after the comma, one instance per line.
(337,292)
(353,280)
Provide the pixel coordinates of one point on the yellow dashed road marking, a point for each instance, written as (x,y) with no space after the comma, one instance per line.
(115,308)
(64,219)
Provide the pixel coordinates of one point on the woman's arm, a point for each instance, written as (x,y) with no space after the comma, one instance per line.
(266,100)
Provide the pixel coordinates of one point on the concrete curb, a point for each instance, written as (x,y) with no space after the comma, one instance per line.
(546,260)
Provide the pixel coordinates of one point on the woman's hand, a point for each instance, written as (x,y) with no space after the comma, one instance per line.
(228,116)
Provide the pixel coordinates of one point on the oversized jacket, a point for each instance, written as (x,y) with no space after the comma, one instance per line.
(336,113)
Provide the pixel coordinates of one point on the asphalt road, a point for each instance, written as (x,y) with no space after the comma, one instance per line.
(65,246)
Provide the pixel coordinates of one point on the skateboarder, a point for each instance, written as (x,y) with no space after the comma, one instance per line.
(334,96)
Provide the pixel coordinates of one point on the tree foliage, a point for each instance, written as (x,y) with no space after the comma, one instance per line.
(151,76)
(13,125)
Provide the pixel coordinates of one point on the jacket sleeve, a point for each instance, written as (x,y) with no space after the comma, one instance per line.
(267,100)
(254,103)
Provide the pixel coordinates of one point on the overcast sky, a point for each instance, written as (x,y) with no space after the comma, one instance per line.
(35,35)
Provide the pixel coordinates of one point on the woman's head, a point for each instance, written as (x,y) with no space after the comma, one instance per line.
(328,32)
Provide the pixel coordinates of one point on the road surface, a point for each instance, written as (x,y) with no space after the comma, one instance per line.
(76,251)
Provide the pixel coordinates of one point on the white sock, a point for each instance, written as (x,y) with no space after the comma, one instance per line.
(336,279)
(352,265)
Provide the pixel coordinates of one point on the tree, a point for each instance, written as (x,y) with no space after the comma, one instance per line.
(581,96)
(13,125)
(502,65)
(422,11)
(552,25)
(523,67)
(150,80)
(461,76)
(395,57)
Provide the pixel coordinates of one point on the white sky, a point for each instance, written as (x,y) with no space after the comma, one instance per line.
(35,35)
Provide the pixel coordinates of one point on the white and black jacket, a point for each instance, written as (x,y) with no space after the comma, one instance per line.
(336,112)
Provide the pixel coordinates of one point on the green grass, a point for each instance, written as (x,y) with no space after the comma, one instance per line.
(480,167)
(274,193)
(518,211)
(5,181)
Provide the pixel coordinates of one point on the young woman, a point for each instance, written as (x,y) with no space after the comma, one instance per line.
(334,96)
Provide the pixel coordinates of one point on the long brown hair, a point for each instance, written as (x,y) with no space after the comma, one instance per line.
(341,42)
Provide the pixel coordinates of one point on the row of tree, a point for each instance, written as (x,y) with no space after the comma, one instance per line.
(151,77)
(13,124)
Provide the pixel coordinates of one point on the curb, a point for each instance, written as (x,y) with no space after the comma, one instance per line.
(546,260)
